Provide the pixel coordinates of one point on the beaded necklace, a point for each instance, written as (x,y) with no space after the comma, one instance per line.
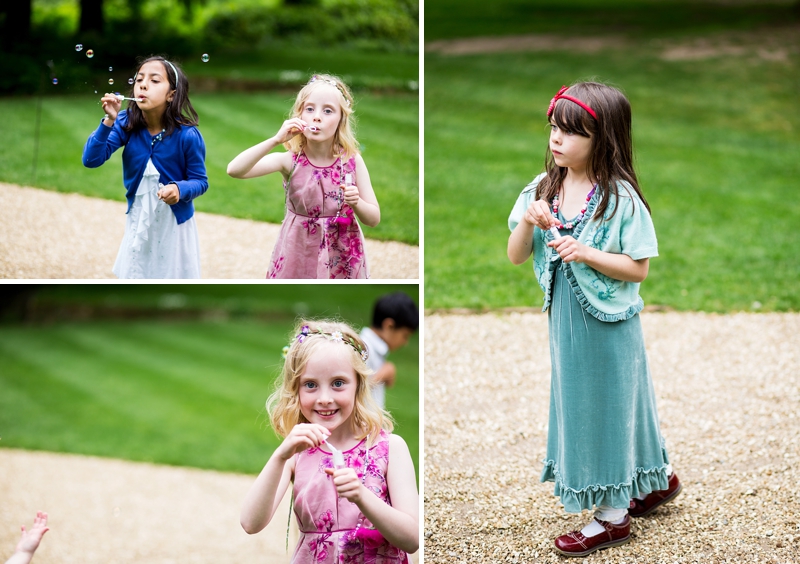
(572,224)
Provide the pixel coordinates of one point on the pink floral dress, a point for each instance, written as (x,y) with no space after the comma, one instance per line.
(333,530)
(320,236)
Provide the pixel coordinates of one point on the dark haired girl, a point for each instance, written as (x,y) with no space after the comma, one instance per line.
(164,170)
(589,229)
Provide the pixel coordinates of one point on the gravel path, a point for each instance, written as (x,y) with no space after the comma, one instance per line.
(766,44)
(45,234)
(109,511)
(728,391)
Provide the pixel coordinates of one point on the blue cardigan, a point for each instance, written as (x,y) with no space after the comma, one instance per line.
(179,157)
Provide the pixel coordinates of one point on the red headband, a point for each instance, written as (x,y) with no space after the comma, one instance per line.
(571,99)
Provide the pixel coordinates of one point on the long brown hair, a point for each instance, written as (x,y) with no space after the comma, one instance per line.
(179,111)
(611,155)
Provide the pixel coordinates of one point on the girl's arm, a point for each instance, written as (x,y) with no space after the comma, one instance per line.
(269,488)
(617,266)
(257,160)
(29,541)
(520,242)
(399,522)
(361,197)
(196,182)
(265,494)
(107,138)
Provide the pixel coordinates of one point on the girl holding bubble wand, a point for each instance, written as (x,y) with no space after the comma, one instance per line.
(326,182)
(589,229)
(163,165)
(354,487)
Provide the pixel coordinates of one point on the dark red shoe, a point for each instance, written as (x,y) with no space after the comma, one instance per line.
(575,544)
(654,500)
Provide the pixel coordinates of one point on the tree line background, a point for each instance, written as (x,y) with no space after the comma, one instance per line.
(38,35)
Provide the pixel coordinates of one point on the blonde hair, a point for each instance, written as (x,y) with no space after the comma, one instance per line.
(345,138)
(283,405)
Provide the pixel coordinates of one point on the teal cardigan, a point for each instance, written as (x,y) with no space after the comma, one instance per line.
(629,232)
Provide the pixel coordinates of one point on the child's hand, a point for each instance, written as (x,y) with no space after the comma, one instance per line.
(569,249)
(289,129)
(347,483)
(111,105)
(169,194)
(538,214)
(30,540)
(351,196)
(303,436)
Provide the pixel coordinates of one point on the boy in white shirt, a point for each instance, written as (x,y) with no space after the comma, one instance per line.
(395,317)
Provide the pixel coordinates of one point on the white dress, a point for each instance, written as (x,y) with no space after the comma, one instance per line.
(154,245)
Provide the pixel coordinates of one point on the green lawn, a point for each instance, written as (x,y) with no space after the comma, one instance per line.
(172,391)
(230,122)
(448,19)
(716,142)
(360,69)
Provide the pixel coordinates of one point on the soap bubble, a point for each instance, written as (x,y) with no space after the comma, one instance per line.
(55,81)
(89,53)
(111,81)
(110,69)
(205,57)
(130,81)
(79,47)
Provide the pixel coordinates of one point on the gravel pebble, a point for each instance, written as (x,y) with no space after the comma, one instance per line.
(46,234)
(728,391)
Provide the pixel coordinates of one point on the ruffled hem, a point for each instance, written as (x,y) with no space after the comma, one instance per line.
(617,496)
(593,311)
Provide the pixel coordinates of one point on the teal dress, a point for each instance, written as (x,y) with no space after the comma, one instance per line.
(604,445)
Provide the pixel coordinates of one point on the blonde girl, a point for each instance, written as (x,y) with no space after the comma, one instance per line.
(354,488)
(326,182)
(588,227)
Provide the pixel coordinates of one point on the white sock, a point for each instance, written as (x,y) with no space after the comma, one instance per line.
(603,513)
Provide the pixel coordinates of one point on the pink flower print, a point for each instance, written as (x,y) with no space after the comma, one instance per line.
(335,176)
(311,223)
(319,547)
(325,522)
(311,226)
(277,266)
(381,450)
(356,464)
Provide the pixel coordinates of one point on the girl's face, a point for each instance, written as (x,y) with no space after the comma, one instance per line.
(322,111)
(569,149)
(153,86)
(328,387)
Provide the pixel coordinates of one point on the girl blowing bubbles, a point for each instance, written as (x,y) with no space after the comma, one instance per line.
(326,182)
(363,508)
(163,166)
(588,227)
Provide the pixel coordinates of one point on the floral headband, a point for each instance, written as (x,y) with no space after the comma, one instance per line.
(335,336)
(333,83)
(561,95)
